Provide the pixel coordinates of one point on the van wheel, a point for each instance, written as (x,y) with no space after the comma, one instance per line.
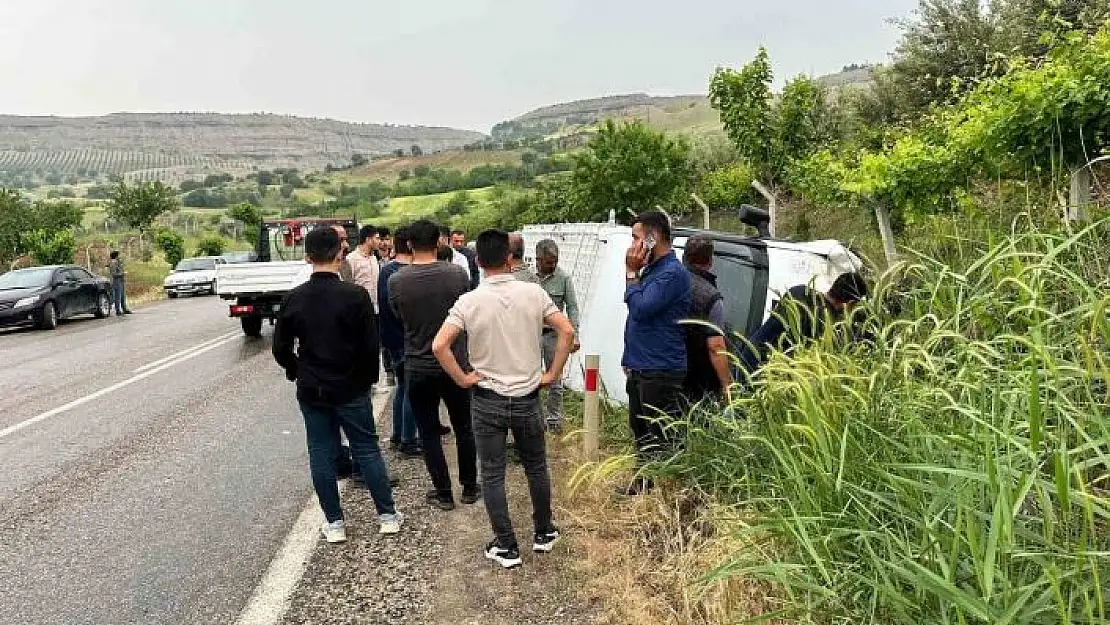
(252,326)
(48,318)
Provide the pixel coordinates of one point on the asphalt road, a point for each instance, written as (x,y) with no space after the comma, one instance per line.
(140,482)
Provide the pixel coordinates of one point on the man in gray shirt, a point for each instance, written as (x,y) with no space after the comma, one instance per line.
(421,295)
(559,287)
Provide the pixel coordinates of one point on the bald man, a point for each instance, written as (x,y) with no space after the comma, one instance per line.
(517,267)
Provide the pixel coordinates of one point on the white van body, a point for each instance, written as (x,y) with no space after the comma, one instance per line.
(750,271)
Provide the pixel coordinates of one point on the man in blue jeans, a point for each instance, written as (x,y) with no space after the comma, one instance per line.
(326,339)
(392,332)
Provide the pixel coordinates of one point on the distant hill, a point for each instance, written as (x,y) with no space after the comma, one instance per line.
(688,114)
(175,146)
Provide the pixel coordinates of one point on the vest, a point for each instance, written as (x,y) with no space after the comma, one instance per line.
(701,377)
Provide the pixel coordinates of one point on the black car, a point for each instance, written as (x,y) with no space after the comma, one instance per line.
(42,295)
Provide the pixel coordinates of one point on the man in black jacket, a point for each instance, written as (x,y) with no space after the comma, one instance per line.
(332,328)
(707,360)
(801,316)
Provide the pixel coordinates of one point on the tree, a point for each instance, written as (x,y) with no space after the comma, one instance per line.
(528,158)
(139,205)
(630,167)
(42,229)
(265,178)
(172,245)
(399,153)
(460,203)
(50,248)
(215,180)
(358,160)
(287,191)
(416,151)
(727,186)
(421,170)
(404,174)
(247,214)
(744,99)
(210,246)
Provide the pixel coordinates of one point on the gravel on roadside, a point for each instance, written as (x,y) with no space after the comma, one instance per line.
(433,572)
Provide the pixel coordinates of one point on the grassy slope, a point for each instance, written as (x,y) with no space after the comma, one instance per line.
(406,209)
(388,170)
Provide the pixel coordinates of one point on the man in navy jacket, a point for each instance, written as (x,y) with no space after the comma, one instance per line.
(658,297)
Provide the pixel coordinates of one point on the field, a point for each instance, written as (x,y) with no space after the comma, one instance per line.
(406,209)
(388,170)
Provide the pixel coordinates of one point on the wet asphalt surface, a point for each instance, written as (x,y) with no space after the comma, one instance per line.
(163,498)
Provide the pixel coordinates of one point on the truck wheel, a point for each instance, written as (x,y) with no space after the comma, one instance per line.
(171,295)
(252,326)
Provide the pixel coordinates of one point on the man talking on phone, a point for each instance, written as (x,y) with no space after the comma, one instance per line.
(658,297)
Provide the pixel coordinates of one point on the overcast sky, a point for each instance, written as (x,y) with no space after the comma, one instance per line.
(461,63)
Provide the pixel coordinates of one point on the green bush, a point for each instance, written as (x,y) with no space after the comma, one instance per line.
(211,246)
(728,186)
(51,248)
(172,245)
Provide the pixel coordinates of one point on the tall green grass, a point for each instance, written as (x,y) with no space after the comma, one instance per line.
(953,469)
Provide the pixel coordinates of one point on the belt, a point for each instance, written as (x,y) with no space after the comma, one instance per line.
(485,393)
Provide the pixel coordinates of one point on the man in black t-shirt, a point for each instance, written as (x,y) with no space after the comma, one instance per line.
(458,242)
(421,295)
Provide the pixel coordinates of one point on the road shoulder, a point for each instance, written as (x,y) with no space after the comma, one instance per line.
(434,572)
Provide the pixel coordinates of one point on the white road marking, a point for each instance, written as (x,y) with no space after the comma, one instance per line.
(270,599)
(151,365)
(8,431)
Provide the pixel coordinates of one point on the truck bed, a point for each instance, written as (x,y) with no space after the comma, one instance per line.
(242,279)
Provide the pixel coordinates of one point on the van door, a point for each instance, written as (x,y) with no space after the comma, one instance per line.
(742,280)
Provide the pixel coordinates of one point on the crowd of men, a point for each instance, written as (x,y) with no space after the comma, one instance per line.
(481,333)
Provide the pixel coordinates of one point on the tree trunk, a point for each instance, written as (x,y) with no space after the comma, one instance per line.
(882,215)
(1079,196)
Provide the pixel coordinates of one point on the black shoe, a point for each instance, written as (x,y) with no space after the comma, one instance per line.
(443,502)
(639,486)
(412,450)
(471,495)
(545,542)
(444,430)
(508,558)
(127,312)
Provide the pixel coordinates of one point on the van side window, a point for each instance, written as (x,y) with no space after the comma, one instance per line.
(736,280)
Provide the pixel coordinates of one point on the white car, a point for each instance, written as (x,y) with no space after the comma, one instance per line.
(192,276)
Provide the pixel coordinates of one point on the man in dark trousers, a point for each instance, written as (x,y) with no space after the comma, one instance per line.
(658,298)
(707,361)
(801,315)
(119,283)
(326,339)
(503,319)
(421,295)
(393,343)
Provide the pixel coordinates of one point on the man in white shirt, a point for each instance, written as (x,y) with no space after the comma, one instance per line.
(503,319)
(364,263)
(456,257)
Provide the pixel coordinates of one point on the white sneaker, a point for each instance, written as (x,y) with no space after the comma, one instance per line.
(391,523)
(334,532)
